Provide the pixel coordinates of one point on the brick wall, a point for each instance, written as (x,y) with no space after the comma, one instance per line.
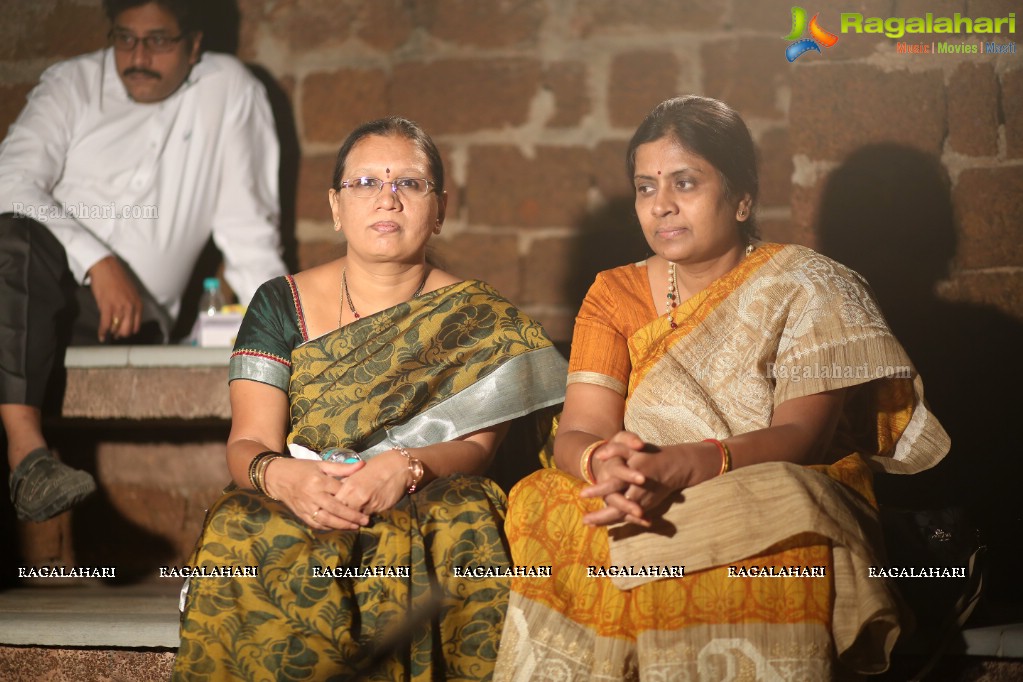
(532,102)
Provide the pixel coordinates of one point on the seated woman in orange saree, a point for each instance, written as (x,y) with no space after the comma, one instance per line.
(705,464)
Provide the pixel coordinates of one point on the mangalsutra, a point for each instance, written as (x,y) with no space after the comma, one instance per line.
(672,299)
(347,297)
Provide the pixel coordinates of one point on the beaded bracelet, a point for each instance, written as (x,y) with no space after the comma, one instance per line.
(726,455)
(415,467)
(586,461)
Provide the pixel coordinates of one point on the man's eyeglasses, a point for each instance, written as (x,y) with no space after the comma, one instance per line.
(366,187)
(126,42)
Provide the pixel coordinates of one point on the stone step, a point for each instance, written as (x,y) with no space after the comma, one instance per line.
(92,614)
(89,631)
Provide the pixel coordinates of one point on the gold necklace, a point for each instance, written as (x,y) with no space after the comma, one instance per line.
(672,299)
(346,296)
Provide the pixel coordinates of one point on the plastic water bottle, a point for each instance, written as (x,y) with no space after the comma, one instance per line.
(212,299)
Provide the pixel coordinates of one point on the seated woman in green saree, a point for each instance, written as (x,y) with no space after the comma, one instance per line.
(354,565)
(710,513)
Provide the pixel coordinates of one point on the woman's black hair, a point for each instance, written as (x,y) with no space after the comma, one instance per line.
(397,127)
(713,130)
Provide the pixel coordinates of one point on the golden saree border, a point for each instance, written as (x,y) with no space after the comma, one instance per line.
(541,640)
(349,386)
(652,341)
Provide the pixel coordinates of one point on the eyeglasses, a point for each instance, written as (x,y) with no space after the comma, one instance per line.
(126,42)
(366,187)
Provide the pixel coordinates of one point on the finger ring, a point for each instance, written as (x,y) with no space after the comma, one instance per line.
(115,322)
(315,513)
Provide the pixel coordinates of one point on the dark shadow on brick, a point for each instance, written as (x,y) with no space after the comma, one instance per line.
(886,212)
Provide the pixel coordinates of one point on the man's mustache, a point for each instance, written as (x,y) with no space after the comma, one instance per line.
(144,72)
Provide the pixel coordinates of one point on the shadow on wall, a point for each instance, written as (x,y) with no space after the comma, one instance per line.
(887,213)
(222,21)
(605,238)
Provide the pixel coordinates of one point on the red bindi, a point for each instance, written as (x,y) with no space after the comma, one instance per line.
(658,172)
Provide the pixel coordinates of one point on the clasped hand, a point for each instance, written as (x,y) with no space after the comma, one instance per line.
(333,496)
(634,478)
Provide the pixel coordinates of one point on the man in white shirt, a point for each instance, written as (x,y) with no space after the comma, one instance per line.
(121,166)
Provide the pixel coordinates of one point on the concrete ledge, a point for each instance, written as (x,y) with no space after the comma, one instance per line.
(995,641)
(84,357)
(146,383)
(92,615)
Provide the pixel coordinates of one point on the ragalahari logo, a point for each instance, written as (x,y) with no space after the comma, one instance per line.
(818,36)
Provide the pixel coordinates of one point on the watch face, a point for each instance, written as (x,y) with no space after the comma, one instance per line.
(340,455)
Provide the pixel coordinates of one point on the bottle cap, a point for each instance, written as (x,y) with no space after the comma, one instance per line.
(211,283)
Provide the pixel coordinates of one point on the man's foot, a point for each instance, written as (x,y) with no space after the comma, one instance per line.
(42,486)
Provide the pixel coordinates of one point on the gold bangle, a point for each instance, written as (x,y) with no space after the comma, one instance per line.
(261,475)
(726,455)
(415,467)
(586,461)
(254,466)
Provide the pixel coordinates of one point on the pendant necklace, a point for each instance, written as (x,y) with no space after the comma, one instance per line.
(347,297)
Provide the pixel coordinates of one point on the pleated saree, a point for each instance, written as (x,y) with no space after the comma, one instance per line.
(383,602)
(776,556)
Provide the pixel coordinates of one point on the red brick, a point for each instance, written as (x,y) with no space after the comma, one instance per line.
(493,258)
(315,175)
(310,24)
(454,192)
(989,212)
(994,9)
(614,16)
(800,230)
(253,19)
(840,107)
(640,81)
(918,8)
(973,109)
(12,101)
(17,39)
(51,30)
(567,82)
(463,95)
(47,543)
(746,73)
(548,271)
(71,30)
(318,252)
(385,24)
(775,161)
(1003,290)
(485,24)
(609,170)
(1012,111)
(335,103)
(785,232)
(506,188)
(774,18)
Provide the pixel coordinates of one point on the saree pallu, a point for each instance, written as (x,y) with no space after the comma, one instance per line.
(776,556)
(450,363)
